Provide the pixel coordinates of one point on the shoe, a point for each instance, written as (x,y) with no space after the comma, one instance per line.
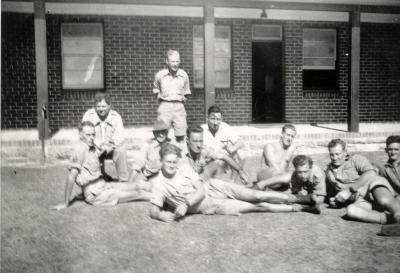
(309,199)
(390,230)
(315,209)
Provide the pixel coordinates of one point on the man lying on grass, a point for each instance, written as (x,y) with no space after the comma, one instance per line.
(85,177)
(183,190)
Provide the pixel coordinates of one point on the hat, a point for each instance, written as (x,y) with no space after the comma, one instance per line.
(153,166)
(160,125)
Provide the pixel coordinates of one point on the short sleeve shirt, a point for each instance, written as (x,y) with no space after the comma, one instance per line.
(314,185)
(392,173)
(171,87)
(198,164)
(86,160)
(110,131)
(346,174)
(223,137)
(175,190)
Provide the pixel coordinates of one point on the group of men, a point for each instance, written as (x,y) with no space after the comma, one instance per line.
(205,174)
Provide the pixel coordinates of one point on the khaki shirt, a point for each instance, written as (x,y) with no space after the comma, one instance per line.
(174,190)
(314,185)
(346,174)
(110,131)
(392,173)
(171,87)
(86,160)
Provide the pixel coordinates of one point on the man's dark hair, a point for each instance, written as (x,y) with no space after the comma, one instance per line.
(288,126)
(392,139)
(335,142)
(214,109)
(194,129)
(170,149)
(85,123)
(99,96)
(301,160)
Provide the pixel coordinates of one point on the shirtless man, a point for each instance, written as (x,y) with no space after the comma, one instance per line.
(277,157)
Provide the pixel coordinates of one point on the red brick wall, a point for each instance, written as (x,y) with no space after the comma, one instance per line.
(311,105)
(380,72)
(135,49)
(18,83)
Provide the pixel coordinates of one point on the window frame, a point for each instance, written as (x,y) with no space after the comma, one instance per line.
(322,71)
(335,43)
(64,85)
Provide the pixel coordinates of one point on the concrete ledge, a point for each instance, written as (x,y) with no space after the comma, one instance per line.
(23,145)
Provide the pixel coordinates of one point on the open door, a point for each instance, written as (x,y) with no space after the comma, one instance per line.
(267,89)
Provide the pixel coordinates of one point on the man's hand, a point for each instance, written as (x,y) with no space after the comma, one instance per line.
(343,196)
(243,175)
(59,207)
(181,210)
(167,216)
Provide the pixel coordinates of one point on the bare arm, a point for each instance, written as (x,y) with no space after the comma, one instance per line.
(192,199)
(69,185)
(158,214)
(362,180)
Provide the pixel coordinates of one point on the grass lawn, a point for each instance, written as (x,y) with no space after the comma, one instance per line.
(83,238)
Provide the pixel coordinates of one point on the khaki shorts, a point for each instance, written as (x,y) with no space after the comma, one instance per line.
(101,194)
(221,199)
(173,114)
(377,181)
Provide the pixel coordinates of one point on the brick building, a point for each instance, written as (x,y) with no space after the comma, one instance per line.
(287,62)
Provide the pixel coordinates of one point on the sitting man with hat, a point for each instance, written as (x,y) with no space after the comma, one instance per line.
(148,163)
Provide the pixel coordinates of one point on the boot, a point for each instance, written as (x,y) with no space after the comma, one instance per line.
(390,230)
(309,199)
(315,209)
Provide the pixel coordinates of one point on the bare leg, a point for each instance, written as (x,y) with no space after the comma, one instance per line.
(386,199)
(275,181)
(363,212)
(120,159)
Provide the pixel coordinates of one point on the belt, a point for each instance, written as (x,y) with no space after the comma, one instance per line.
(173,101)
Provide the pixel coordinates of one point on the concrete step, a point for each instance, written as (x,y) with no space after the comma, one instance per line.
(311,139)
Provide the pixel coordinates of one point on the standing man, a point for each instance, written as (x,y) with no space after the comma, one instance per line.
(171,85)
(277,157)
(109,134)
(355,184)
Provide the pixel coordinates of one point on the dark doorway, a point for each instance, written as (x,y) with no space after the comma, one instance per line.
(267,82)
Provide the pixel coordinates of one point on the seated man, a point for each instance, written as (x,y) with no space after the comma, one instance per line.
(391,171)
(308,178)
(220,137)
(354,183)
(277,157)
(109,134)
(205,160)
(184,191)
(85,177)
(149,163)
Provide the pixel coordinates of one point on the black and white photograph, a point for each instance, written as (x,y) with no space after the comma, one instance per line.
(194,136)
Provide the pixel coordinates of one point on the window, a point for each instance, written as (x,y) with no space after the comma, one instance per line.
(82,55)
(319,59)
(222,57)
